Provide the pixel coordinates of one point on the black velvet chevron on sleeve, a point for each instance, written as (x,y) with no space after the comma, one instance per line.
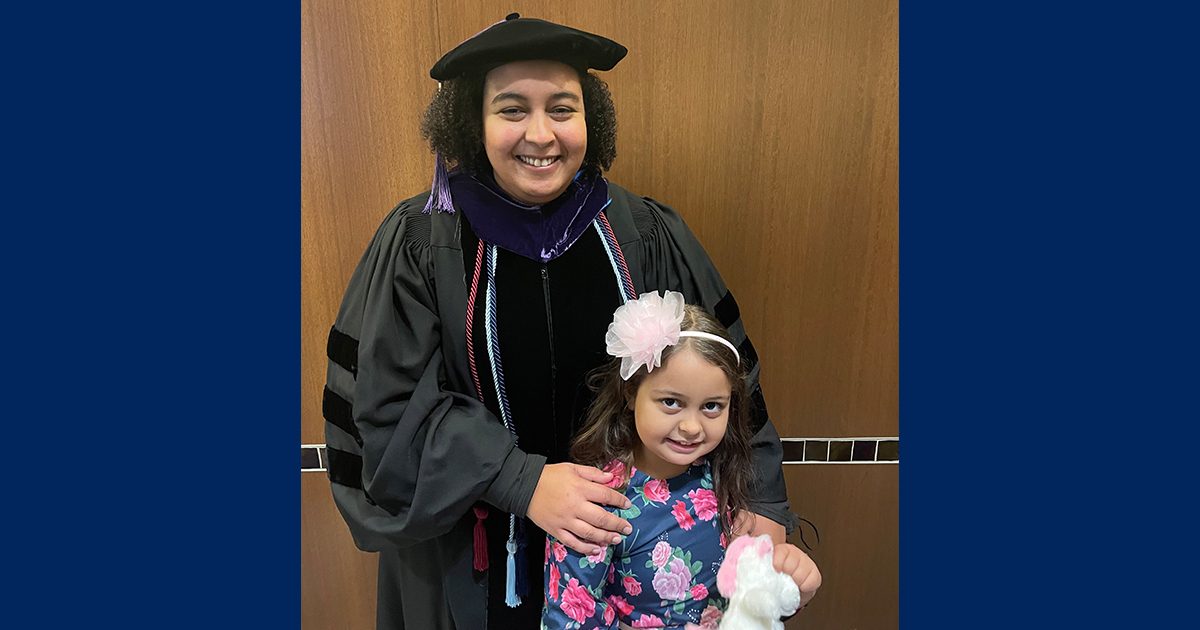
(746,350)
(726,310)
(758,413)
(342,349)
(338,412)
(346,469)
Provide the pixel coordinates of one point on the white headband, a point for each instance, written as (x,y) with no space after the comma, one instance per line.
(697,333)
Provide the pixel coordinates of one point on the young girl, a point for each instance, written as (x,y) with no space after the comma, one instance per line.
(670,421)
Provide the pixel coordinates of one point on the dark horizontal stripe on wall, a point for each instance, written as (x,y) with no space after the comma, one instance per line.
(315,458)
(847,450)
(312,458)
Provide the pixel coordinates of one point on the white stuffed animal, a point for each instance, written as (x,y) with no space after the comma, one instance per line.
(758,595)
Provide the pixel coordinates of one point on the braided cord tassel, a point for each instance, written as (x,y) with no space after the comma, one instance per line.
(493,345)
(510,583)
(481,558)
(480,562)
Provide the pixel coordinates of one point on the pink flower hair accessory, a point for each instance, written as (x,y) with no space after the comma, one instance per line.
(641,329)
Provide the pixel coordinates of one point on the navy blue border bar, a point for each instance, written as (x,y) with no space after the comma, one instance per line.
(1049,232)
(153,243)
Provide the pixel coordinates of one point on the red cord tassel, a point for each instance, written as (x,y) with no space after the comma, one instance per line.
(481,557)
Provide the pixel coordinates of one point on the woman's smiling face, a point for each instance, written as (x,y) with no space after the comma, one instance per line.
(533,128)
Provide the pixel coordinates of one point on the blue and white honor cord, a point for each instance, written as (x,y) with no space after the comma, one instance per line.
(615,257)
(493,346)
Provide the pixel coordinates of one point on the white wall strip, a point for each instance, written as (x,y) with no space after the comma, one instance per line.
(835,439)
(849,462)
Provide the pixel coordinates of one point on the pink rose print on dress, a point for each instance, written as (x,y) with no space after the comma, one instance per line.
(555,576)
(681,516)
(560,552)
(547,561)
(657,490)
(577,602)
(612,571)
(619,603)
(699,591)
(710,617)
(724,544)
(598,558)
(648,621)
(672,584)
(618,473)
(608,616)
(662,553)
(705,502)
(632,586)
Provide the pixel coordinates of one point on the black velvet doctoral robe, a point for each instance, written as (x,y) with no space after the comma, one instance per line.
(411,447)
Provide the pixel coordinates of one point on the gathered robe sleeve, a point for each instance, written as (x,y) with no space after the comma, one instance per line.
(408,456)
(670,257)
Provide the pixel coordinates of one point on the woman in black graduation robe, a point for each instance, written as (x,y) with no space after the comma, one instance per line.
(413,448)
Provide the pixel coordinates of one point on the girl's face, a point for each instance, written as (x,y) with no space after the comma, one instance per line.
(681,410)
(534,129)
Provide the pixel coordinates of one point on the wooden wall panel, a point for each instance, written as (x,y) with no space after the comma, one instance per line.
(771,126)
(857,511)
(337,582)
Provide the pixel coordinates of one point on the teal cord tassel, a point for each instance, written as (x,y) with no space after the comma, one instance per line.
(510,591)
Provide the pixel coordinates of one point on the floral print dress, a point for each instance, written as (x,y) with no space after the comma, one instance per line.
(662,575)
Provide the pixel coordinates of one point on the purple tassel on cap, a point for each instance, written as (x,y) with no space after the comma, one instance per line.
(439,196)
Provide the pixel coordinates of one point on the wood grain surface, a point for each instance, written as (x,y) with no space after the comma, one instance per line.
(857,512)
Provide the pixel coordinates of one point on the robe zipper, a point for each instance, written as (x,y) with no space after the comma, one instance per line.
(553,366)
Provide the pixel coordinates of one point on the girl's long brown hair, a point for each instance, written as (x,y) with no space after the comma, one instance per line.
(609,432)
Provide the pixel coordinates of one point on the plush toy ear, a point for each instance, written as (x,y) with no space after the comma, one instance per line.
(727,574)
(764,547)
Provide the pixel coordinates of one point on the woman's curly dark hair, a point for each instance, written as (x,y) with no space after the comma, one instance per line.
(453,123)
